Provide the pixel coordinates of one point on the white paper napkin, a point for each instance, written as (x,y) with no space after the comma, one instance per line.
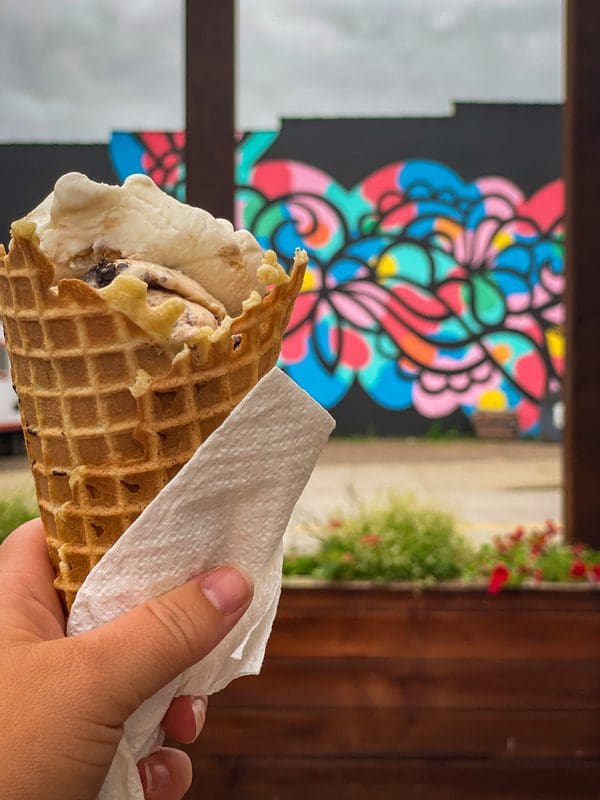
(230,504)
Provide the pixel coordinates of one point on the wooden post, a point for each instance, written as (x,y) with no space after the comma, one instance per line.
(210,146)
(582,380)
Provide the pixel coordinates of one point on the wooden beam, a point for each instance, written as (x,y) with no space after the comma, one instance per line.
(582,380)
(210,146)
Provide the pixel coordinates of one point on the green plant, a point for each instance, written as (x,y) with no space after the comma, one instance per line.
(403,541)
(13,512)
(398,541)
(437,430)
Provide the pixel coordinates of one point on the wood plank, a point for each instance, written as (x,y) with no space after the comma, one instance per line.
(401,633)
(387,779)
(582,379)
(428,732)
(410,683)
(210,147)
(299,596)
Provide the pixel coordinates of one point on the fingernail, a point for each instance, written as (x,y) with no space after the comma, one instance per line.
(199,712)
(157,776)
(226,588)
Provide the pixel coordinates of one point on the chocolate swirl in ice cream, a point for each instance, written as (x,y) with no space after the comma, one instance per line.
(200,310)
(103,273)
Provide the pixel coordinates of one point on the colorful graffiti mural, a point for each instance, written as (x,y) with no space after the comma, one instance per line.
(159,155)
(428,291)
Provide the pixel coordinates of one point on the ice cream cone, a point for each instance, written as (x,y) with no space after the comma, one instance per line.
(109,415)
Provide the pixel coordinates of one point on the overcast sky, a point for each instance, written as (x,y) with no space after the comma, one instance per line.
(73,70)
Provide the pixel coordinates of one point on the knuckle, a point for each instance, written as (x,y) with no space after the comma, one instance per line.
(178,623)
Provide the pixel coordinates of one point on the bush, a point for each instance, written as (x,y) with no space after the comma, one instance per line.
(400,541)
(14,511)
(531,557)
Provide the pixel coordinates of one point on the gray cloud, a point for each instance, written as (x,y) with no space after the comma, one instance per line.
(73,70)
(77,69)
(394,57)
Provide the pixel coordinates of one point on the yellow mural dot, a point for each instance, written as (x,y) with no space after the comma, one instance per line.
(492,400)
(501,240)
(501,353)
(556,343)
(309,281)
(386,267)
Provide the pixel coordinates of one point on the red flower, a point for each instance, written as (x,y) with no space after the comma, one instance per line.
(500,544)
(518,533)
(577,549)
(347,558)
(538,543)
(370,539)
(595,572)
(538,574)
(577,568)
(336,522)
(551,526)
(498,578)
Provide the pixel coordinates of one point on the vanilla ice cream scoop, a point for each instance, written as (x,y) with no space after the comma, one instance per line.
(82,222)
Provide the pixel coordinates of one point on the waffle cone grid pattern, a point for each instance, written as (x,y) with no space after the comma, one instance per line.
(99,455)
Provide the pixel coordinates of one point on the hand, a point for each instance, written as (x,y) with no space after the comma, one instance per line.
(63,701)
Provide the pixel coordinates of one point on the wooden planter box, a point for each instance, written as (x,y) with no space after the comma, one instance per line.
(396,692)
(495,424)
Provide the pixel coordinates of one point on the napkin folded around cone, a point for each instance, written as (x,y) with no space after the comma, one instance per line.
(230,504)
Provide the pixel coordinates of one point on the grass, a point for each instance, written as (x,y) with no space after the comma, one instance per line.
(438,432)
(14,511)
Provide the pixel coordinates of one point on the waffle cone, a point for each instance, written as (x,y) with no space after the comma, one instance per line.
(98,453)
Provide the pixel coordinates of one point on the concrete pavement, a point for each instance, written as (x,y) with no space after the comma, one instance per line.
(489,487)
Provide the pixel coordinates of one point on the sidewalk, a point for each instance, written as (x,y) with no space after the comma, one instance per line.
(489,487)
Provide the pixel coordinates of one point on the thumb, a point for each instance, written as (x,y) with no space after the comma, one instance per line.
(141,651)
